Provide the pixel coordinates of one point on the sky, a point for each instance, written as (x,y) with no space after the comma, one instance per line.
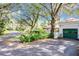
(63,16)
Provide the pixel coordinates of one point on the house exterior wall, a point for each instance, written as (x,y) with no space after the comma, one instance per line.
(68,25)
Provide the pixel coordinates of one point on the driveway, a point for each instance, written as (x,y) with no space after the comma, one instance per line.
(47,47)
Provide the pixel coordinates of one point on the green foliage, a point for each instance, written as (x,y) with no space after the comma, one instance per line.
(25,38)
(2,26)
(20,29)
(34,35)
(77,11)
(68,12)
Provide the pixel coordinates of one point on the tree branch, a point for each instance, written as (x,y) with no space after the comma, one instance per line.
(58,8)
(45,7)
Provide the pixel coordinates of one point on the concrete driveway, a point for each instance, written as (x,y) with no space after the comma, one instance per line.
(48,47)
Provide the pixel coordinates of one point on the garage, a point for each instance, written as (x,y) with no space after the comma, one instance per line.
(70,33)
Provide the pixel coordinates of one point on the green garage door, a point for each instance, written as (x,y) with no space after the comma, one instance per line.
(70,33)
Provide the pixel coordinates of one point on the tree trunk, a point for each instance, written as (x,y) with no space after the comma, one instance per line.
(54,27)
(55,21)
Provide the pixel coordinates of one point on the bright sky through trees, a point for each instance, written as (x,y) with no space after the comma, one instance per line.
(21,12)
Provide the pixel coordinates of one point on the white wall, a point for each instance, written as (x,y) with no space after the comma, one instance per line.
(68,25)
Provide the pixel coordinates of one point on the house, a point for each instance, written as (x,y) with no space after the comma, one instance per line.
(69,28)
(66,29)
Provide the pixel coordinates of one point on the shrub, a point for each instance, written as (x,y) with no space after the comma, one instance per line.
(2,28)
(34,35)
(24,38)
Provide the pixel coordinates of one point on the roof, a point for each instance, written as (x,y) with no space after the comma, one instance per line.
(71,19)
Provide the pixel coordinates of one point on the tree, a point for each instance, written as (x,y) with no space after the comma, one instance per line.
(53,10)
(3,12)
(29,14)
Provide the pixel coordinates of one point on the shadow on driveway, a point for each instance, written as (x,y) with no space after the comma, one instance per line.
(40,48)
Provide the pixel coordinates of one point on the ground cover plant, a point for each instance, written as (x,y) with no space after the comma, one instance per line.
(34,35)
